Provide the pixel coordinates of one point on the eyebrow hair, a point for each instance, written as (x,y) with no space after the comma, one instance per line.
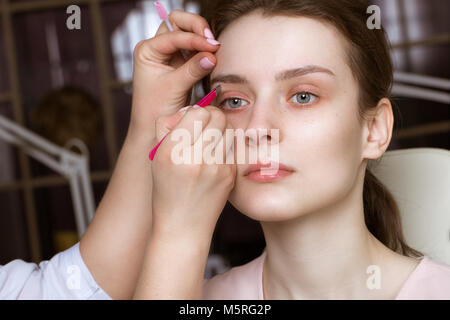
(281,76)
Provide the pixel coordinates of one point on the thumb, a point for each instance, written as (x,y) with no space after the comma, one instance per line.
(194,70)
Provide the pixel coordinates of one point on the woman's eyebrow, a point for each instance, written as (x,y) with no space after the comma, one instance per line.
(281,76)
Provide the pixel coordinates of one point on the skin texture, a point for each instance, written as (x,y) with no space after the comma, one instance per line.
(312,220)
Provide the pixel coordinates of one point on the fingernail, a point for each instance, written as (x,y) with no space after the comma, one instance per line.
(207,32)
(184,109)
(196,106)
(206,64)
(213,42)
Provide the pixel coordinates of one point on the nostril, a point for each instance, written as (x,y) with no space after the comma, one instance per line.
(260,136)
(250,140)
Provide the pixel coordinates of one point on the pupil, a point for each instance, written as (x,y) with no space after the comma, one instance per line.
(304,97)
(235,100)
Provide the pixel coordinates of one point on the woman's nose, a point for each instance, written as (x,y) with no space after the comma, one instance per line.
(254,137)
(263,126)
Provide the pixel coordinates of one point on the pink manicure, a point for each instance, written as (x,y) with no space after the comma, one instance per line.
(206,64)
(213,42)
(208,33)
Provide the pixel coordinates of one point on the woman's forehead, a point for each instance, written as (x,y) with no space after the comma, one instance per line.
(278,43)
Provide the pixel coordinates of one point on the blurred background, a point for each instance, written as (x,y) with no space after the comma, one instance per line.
(64,84)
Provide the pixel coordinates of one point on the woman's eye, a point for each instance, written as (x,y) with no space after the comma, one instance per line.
(305,97)
(233,103)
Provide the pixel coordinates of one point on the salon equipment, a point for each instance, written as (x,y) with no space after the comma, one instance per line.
(421,87)
(72,166)
(419,180)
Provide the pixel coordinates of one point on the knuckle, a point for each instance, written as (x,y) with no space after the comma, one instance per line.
(201,112)
(209,108)
(228,179)
(191,71)
(190,110)
(174,13)
(138,47)
(230,182)
(217,114)
(194,40)
(203,21)
(177,34)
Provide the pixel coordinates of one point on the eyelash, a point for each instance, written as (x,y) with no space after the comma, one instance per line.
(299,92)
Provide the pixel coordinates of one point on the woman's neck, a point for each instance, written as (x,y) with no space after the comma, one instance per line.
(323,255)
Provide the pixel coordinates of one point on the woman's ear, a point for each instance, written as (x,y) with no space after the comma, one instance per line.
(378,130)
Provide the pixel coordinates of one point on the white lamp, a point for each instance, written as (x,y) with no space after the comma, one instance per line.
(72,166)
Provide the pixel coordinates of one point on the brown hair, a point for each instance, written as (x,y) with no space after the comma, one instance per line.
(368,58)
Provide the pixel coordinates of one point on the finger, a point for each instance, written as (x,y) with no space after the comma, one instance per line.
(229,143)
(192,71)
(186,21)
(165,124)
(194,121)
(225,145)
(212,134)
(161,48)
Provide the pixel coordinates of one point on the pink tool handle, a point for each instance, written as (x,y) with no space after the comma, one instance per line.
(153,152)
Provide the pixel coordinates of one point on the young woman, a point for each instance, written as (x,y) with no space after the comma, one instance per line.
(312,70)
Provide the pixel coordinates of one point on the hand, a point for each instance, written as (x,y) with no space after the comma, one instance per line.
(190,197)
(162,80)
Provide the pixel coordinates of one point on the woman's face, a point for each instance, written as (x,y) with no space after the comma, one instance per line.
(319,137)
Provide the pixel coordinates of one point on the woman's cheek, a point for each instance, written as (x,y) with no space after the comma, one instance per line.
(236,119)
(327,153)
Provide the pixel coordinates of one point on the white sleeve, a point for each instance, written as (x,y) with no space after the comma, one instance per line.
(65,276)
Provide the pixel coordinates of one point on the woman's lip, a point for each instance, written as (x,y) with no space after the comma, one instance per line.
(268,172)
(268,169)
(268,176)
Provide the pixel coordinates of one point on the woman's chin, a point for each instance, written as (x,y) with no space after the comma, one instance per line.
(265,207)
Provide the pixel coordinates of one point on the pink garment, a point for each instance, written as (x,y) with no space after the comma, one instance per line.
(429,281)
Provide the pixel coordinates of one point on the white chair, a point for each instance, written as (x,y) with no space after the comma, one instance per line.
(419,180)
